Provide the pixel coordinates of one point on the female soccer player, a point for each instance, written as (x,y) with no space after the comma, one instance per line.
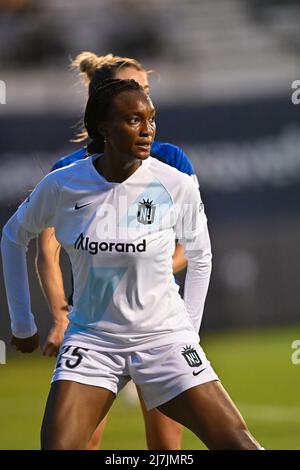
(161,432)
(117,214)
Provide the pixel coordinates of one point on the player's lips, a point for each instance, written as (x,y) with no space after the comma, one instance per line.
(144,145)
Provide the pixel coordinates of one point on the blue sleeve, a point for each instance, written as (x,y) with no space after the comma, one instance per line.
(68,159)
(173,156)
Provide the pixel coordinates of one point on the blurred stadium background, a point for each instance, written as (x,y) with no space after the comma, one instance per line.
(223,93)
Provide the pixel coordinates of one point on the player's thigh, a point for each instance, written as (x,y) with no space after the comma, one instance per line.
(96,439)
(72,413)
(85,383)
(209,412)
(162,432)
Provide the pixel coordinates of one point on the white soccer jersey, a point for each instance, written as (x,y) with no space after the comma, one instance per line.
(120,238)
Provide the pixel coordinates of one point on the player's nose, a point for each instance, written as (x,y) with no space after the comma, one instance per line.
(147,129)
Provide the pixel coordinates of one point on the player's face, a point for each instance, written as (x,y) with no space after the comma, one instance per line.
(130,126)
(130,73)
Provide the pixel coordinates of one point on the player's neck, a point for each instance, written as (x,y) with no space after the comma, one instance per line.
(114,170)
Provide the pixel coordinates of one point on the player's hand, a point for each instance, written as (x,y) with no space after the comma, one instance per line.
(55,339)
(26,345)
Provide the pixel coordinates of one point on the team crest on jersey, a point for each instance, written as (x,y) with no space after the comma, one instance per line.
(146,212)
(191,356)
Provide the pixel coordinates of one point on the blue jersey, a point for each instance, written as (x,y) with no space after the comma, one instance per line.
(166,153)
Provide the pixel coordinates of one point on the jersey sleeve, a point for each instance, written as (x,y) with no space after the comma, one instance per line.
(192,232)
(184,163)
(197,277)
(173,156)
(68,159)
(13,248)
(191,218)
(34,214)
(38,211)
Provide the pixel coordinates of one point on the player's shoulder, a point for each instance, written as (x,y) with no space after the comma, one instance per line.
(167,174)
(173,156)
(180,186)
(63,174)
(69,159)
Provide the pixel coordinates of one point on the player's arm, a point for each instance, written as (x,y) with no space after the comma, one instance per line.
(179,259)
(51,281)
(197,276)
(33,215)
(192,232)
(177,158)
(14,244)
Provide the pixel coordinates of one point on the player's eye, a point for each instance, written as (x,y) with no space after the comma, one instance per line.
(133,120)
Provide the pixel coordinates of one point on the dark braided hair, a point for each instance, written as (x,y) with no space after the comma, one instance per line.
(106,72)
(98,105)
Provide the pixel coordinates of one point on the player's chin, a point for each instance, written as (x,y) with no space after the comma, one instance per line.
(142,151)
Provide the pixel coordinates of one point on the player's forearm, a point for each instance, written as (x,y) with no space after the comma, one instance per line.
(51,282)
(16,282)
(179,259)
(197,277)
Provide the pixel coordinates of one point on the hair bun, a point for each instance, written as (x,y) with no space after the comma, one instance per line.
(87,62)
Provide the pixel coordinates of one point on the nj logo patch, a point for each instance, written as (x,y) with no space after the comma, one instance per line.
(191,356)
(146,212)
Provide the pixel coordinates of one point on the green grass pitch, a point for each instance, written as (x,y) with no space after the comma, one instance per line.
(255,368)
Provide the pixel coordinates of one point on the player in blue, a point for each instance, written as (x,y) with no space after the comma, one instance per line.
(161,432)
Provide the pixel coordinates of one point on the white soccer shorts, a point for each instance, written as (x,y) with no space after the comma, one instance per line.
(161,372)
